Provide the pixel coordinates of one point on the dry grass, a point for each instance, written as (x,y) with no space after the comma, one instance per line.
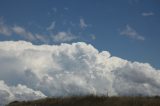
(92,101)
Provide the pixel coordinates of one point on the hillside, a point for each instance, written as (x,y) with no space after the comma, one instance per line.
(92,101)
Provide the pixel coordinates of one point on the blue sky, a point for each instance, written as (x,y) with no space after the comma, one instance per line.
(129,29)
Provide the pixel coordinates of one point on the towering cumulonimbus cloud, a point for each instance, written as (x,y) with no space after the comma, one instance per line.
(30,71)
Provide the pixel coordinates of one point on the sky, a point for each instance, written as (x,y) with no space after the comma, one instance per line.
(53,48)
(128,28)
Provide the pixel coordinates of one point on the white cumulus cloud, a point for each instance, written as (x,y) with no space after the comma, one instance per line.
(36,71)
(17,93)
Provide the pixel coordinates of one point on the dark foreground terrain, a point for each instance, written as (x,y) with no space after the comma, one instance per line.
(92,101)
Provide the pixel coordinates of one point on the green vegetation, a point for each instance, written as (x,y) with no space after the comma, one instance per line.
(92,101)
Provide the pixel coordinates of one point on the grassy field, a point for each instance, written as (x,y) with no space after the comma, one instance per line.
(92,101)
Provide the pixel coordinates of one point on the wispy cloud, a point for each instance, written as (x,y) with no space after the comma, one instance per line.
(63,37)
(93,37)
(131,33)
(42,38)
(22,32)
(147,14)
(83,24)
(4,29)
(54,9)
(9,30)
(52,26)
(133,1)
(66,8)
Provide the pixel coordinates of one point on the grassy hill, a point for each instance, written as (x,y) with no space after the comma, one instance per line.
(92,101)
